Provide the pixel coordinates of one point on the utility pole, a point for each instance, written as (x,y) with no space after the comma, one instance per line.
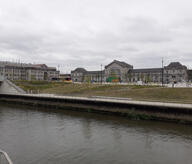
(101,74)
(162,72)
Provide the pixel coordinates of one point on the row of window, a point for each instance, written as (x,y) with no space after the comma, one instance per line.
(78,74)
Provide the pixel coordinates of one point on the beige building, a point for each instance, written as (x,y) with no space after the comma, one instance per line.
(29,72)
(118,71)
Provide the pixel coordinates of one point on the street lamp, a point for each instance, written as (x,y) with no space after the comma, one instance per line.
(101,73)
(162,71)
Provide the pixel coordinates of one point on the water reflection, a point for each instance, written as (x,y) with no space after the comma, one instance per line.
(48,136)
(86,129)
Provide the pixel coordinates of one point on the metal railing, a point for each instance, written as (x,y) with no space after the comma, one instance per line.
(4,158)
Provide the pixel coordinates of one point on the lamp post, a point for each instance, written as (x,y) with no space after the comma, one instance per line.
(162,72)
(101,74)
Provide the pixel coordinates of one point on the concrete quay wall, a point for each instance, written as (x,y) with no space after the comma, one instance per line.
(181,113)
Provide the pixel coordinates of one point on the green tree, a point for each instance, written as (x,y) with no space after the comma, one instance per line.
(142,77)
(148,79)
(129,76)
(87,79)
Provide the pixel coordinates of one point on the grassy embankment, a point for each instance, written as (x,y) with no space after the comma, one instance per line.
(147,93)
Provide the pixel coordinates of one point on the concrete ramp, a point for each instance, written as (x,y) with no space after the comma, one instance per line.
(7,87)
(1,78)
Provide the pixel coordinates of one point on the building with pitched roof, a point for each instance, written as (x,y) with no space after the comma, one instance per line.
(29,72)
(118,71)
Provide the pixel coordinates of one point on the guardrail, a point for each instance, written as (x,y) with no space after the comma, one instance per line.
(4,158)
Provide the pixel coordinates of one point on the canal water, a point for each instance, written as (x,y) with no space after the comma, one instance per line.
(46,136)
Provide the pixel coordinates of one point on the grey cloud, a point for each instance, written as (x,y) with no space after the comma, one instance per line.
(71,34)
(145,30)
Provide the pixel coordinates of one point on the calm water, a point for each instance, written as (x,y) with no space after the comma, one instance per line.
(32,136)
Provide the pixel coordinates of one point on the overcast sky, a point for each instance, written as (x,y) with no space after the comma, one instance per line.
(88,33)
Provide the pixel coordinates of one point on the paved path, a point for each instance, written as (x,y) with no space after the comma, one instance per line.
(7,87)
(115,100)
(1,78)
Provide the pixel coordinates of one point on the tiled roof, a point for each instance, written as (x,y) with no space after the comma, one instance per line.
(123,64)
(176,65)
(24,65)
(95,72)
(83,70)
(146,70)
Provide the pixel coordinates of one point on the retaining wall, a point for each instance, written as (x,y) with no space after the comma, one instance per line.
(132,109)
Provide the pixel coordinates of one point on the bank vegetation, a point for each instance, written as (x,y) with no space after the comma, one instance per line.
(135,92)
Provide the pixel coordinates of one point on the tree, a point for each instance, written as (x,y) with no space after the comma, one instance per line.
(148,79)
(142,76)
(129,76)
(87,79)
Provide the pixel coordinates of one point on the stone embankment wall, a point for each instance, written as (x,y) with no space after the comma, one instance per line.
(181,113)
